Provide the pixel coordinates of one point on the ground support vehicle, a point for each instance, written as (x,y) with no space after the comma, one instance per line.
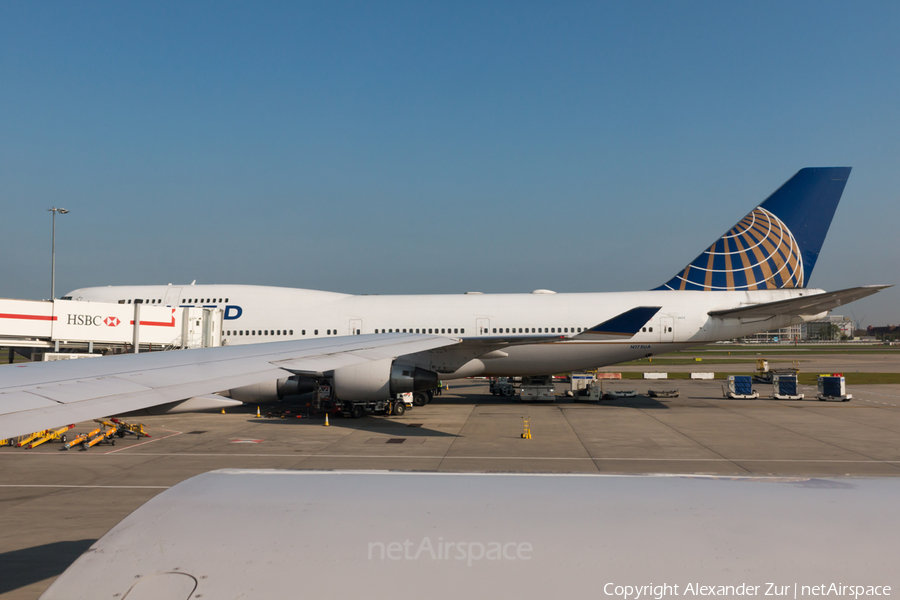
(766,375)
(581,381)
(741,387)
(785,387)
(355,410)
(392,406)
(595,392)
(537,388)
(502,386)
(833,387)
(324,401)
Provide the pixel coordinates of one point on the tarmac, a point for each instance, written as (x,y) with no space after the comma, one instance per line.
(54,504)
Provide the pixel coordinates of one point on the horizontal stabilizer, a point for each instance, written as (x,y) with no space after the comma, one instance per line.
(621,326)
(806,305)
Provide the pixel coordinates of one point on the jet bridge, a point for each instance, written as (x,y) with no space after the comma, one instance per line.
(77,326)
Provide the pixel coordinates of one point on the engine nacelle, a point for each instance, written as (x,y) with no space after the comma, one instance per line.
(380,380)
(276,389)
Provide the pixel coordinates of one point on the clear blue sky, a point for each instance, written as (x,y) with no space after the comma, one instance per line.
(430,147)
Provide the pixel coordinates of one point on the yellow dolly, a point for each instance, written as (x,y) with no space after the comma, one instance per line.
(32,437)
(104,436)
(59,434)
(132,428)
(82,438)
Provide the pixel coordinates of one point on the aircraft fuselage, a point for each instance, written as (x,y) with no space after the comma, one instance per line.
(254,314)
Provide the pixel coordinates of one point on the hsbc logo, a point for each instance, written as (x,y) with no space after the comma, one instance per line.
(93,320)
(85,320)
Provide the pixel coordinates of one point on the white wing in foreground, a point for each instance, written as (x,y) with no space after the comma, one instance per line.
(36,396)
(300,534)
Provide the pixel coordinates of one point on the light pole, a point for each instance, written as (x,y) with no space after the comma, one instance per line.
(61,211)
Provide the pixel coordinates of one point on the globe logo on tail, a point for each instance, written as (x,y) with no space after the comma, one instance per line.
(759,253)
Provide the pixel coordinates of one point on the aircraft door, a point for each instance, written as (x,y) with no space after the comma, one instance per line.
(355,327)
(666,329)
(482,326)
(172,295)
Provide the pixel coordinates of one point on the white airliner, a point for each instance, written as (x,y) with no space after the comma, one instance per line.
(445,535)
(751,279)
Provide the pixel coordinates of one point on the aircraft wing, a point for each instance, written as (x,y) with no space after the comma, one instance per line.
(470,535)
(806,305)
(621,326)
(37,396)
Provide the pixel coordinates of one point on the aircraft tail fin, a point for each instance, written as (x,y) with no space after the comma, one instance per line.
(775,246)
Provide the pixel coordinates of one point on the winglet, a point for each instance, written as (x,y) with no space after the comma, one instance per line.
(624,325)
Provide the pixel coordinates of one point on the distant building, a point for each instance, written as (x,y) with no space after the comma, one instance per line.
(887,332)
(832,327)
(785,334)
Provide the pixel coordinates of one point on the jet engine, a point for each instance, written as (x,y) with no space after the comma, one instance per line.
(375,380)
(380,380)
(276,389)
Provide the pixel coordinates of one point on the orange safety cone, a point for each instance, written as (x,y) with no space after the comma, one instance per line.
(257,412)
(326,419)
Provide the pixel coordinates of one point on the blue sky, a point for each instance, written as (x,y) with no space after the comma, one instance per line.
(393,147)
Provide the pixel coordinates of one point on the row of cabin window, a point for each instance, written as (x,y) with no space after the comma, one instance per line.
(422,330)
(263,332)
(496,330)
(434,330)
(203,301)
(188,301)
(327,331)
(277,332)
(538,330)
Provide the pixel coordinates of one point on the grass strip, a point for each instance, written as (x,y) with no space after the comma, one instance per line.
(802,379)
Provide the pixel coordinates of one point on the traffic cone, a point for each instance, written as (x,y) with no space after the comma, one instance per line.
(223,411)
(257,412)
(326,419)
